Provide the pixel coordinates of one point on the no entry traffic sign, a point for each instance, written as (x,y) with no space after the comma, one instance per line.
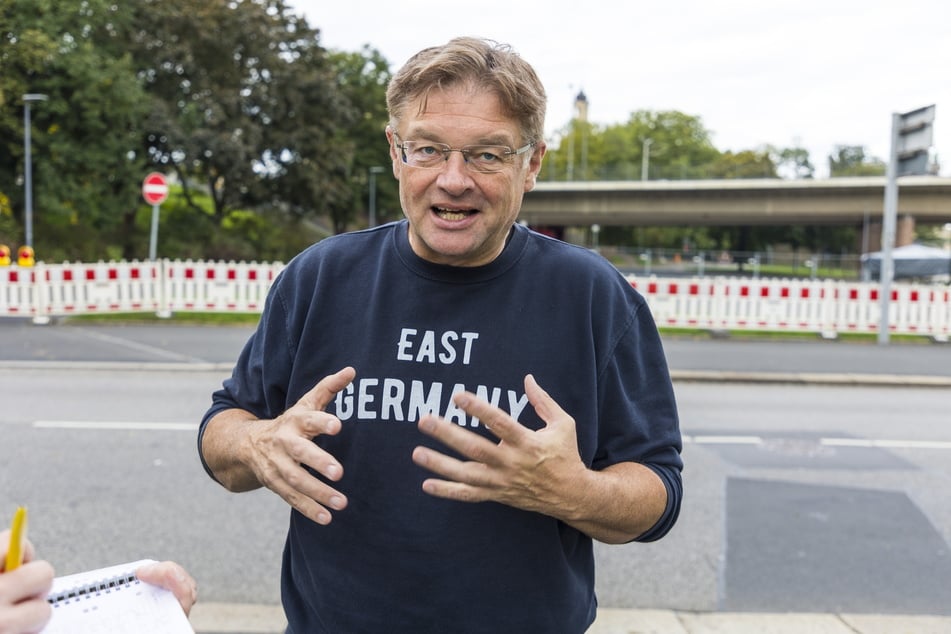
(154,189)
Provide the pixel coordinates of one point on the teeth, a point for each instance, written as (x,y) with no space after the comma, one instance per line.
(446,214)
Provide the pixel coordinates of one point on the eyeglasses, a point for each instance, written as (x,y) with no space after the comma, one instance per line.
(479,158)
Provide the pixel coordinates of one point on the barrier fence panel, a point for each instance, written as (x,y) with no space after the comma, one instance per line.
(825,307)
(69,289)
(218,286)
(822,306)
(17,291)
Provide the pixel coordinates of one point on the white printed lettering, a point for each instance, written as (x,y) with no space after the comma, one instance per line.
(427,350)
(391,405)
(365,399)
(421,404)
(345,402)
(517,404)
(453,411)
(405,344)
(373,399)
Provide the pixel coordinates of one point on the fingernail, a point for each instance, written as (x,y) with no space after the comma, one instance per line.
(333,471)
(337,502)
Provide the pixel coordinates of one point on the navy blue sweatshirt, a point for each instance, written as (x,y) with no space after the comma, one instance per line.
(397,559)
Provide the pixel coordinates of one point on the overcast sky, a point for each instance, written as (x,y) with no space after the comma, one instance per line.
(809,73)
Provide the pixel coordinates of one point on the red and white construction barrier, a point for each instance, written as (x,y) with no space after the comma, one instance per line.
(162,287)
(826,307)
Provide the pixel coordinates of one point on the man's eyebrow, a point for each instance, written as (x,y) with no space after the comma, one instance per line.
(425,135)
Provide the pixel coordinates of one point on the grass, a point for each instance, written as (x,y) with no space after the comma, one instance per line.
(183,318)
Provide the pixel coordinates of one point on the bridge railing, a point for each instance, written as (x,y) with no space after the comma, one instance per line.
(823,306)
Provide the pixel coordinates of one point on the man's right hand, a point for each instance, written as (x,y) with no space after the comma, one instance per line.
(274,453)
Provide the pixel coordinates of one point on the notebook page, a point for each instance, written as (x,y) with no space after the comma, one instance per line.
(111,600)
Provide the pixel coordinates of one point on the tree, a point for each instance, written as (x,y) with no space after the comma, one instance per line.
(362,78)
(793,162)
(83,137)
(244,104)
(851,160)
(745,164)
(676,146)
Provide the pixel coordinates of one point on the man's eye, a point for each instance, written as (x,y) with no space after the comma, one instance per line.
(488,156)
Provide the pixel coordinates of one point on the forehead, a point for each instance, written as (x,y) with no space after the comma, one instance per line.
(460,113)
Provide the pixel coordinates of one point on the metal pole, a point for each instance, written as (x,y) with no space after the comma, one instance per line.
(887,269)
(27,175)
(153,236)
(28,167)
(645,158)
(373,172)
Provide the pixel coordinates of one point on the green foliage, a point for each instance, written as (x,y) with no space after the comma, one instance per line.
(268,136)
(83,137)
(793,161)
(362,78)
(850,160)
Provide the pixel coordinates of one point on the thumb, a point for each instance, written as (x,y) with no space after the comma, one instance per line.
(326,389)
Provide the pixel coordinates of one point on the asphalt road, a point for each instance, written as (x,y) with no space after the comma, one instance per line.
(23,342)
(805,493)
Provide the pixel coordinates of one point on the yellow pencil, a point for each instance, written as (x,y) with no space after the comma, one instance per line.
(17,540)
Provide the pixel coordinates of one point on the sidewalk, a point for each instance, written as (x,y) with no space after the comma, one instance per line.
(614,621)
(225,618)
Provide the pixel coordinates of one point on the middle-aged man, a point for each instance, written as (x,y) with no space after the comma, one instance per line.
(454,406)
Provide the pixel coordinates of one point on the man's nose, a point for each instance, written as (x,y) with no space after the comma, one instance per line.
(455,173)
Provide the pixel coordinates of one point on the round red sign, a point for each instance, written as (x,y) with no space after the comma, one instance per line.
(154,189)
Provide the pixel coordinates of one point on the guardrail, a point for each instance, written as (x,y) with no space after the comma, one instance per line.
(823,306)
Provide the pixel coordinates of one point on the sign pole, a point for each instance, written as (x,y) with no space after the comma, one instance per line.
(153,237)
(911,139)
(154,191)
(889,219)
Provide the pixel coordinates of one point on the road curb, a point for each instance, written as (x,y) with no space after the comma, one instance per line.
(244,618)
(237,618)
(811,378)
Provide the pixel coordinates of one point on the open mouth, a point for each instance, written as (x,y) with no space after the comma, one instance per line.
(453,214)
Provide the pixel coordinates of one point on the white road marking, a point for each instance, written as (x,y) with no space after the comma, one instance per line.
(114,425)
(829,442)
(887,444)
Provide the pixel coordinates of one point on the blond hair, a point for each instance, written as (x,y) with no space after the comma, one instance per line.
(481,64)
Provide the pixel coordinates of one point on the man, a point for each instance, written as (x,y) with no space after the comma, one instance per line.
(454,406)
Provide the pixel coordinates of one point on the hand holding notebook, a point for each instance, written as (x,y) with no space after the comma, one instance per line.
(99,601)
(111,600)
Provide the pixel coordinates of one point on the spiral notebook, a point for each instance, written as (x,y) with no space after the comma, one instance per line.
(112,600)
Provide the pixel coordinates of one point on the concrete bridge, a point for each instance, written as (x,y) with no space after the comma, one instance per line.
(835,201)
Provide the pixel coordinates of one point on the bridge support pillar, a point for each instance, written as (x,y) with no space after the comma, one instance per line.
(904,233)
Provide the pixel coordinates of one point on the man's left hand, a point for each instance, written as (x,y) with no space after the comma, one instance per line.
(532,470)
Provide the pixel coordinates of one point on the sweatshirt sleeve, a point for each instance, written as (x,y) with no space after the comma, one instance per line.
(258,382)
(639,413)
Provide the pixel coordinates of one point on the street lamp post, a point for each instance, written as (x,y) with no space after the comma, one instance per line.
(28,166)
(373,172)
(645,158)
